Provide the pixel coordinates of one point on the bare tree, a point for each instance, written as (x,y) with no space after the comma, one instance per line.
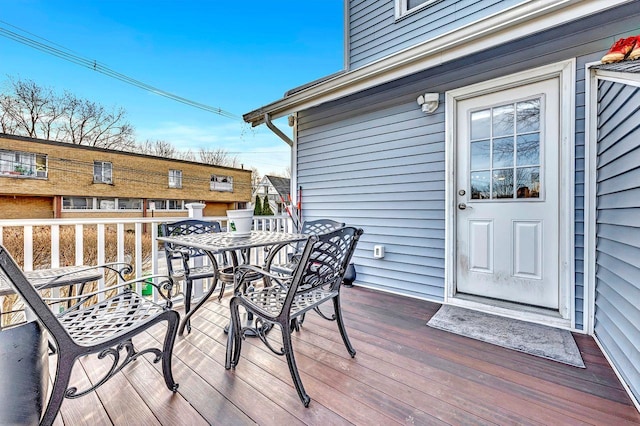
(217,157)
(159,148)
(89,123)
(27,109)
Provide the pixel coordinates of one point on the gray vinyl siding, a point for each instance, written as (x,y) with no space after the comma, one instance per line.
(617,292)
(375,160)
(374,32)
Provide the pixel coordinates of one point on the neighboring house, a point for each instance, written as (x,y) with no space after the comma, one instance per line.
(46,179)
(483,192)
(278,191)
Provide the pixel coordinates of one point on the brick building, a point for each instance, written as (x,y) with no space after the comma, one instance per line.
(47,179)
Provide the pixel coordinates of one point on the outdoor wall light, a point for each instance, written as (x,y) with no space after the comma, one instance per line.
(429,102)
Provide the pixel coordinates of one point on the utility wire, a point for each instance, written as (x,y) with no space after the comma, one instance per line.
(94,65)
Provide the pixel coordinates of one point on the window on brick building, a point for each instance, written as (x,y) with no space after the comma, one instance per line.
(24,164)
(175,178)
(102,172)
(221,183)
(77,203)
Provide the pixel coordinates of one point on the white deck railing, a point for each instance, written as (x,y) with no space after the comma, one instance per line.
(153,264)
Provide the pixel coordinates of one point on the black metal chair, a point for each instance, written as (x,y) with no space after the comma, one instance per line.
(178,260)
(310,227)
(317,279)
(93,325)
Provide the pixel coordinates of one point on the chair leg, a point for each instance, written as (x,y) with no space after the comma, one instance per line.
(187,302)
(341,327)
(234,337)
(293,368)
(173,320)
(60,384)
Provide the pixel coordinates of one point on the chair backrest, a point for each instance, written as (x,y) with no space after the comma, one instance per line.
(187,227)
(320,226)
(315,227)
(324,261)
(16,279)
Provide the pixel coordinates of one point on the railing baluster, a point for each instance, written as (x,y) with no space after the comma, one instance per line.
(28,248)
(101,246)
(79,244)
(120,243)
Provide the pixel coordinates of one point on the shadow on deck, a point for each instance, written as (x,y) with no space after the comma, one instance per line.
(404,373)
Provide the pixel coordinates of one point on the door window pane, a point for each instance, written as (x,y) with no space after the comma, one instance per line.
(503,152)
(528,182)
(528,150)
(480,155)
(480,186)
(502,121)
(502,183)
(481,124)
(528,116)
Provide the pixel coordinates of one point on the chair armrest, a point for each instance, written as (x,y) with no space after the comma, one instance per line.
(243,271)
(165,287)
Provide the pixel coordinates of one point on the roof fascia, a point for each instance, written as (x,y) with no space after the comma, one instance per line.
(521,20)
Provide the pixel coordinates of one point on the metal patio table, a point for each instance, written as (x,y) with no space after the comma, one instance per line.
(55,277)
(43,279)
(223,242)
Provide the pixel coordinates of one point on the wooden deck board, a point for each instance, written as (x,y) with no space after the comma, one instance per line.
(403,373)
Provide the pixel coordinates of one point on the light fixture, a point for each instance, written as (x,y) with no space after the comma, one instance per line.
(429,102)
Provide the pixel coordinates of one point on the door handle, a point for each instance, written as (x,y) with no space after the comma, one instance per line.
(463,206)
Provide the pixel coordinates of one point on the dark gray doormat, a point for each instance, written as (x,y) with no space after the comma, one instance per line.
(535,339)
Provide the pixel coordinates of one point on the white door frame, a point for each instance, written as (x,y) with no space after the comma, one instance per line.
(565,71)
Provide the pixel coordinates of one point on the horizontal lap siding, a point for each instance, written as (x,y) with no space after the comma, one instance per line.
(617,315)
(377,150)
(374,32)
(382,170)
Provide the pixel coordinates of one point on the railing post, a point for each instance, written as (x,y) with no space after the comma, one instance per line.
(196,212)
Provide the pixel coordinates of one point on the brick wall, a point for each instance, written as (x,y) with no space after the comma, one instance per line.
(70,173)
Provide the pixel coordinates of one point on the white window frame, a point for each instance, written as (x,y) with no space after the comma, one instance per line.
(402,7)
(175,178)
(102,177)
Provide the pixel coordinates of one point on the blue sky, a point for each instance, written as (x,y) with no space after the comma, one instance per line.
(234,55)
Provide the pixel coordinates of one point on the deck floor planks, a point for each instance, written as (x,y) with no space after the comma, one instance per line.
(404,372)
(596,375)
(214,407)
(322,356)
(276,368)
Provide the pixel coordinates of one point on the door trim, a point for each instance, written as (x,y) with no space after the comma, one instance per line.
(565,72)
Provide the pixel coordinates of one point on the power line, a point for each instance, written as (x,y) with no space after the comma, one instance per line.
(66,54)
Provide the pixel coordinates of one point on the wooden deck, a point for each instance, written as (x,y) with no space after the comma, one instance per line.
(404,373)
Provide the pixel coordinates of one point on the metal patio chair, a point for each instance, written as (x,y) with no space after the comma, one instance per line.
(316,279)
(99,322)
(178,259)
(310,227)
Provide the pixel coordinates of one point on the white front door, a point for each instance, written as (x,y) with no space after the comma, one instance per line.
(507,194)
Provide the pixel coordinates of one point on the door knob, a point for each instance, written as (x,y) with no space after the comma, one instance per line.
(462,206)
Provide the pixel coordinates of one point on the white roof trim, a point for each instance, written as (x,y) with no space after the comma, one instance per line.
(526,18)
